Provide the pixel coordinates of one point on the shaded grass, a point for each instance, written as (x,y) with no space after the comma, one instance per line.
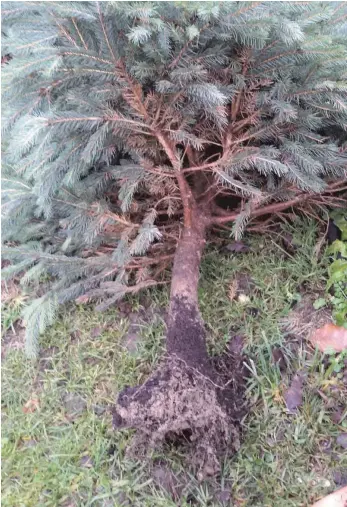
(63,451)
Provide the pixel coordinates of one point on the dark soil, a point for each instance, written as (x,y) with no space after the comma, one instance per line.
(186,337)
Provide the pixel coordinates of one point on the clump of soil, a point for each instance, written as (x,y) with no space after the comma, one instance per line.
(190,398)
(178,400)
(180,404)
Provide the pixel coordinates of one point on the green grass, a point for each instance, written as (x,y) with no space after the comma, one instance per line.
(62,450)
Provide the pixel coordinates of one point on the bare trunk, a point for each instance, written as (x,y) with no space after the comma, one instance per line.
(186,334)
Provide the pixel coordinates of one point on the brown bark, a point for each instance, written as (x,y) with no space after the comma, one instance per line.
(186,333)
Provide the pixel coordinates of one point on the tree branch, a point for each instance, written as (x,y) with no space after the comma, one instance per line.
(185,190)
(271,208)
(279,206)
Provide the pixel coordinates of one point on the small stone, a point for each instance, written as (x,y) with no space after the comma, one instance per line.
(243,299)
(342,440)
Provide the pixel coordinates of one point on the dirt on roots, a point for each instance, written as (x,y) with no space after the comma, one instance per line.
(194,400)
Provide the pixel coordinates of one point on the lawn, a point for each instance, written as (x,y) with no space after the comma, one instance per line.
(58,445)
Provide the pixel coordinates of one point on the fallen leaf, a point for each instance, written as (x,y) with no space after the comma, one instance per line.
(87,462)
(31,405)
(224,496)
(336,499)
(237,246)
(95,332)
(236,344)
(278,358)
(330,338)
(340,476)
(293,395)
(232,289)
(337,416)
(342,440)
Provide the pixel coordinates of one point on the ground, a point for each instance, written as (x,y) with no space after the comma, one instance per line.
(58,444)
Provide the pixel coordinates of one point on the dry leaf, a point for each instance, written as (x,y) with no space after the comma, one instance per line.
(293,396)
(232,289)
(31,405)
(237,246)
(330,337)
(336,499)
(342,440)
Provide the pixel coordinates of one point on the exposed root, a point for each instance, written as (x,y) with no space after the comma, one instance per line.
(178,400)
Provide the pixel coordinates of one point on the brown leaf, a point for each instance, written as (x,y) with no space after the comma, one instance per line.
(237,246)
(87,462)
(293,395)
(95,332)
(342,440)
(337,415)
(336,499)
(330,337)
(278,358)
(232,289)
(224,496)
(31,405)
(236,344)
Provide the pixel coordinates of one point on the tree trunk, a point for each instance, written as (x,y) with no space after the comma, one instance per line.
(183,396)
(185,329)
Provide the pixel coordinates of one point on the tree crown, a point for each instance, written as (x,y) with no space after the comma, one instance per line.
(121,118)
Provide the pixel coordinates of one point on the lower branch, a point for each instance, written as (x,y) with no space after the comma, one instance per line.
(280,206)
(271,208)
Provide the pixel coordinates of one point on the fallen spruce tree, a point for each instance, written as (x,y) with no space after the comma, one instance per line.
(128,127)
